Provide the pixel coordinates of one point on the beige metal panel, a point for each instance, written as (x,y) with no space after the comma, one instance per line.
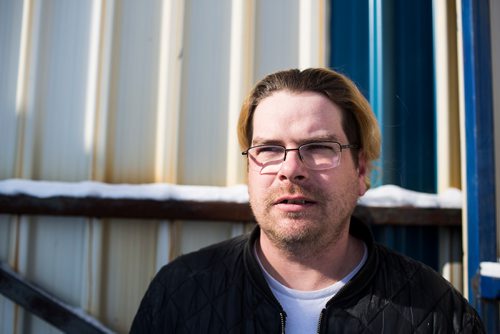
(51,255)
(135,109)
(240,82)
(36,325)
(168,110)
(276,36)
(10,33)
(169,90)
(203,119)
(8,236)
(7,315)
(450,256)
(5,230)
(312,33)
(212,232)
(60,92)
(203,122)
(51,99)
(26,87)
(55,256)
(446,71)
(463,161)
(128,266)
(11,29)
(133,93)
(447,118)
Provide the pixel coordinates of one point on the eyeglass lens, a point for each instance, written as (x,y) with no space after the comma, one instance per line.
(317,156)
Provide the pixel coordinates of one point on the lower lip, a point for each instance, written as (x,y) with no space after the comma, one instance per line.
(294,207)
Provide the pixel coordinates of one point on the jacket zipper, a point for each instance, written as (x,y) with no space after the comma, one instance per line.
(319,320)
(283,322)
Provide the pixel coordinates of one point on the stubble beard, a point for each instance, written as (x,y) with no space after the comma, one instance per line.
(305,234)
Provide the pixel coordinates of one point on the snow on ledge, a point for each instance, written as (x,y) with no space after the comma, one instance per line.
(383,196)
(154,191)
(491,269)
(393,196)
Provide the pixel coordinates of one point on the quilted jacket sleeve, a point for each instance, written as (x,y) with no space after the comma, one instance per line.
(146,319)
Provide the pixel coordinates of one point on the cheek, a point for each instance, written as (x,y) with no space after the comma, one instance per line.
(257,184)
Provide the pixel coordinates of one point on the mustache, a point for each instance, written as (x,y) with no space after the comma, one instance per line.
(294,190)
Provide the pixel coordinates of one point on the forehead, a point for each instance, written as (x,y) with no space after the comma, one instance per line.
(298,117)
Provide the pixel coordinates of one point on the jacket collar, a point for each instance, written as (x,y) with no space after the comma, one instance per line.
(357,229)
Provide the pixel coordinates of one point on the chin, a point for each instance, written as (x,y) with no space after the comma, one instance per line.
(293,234)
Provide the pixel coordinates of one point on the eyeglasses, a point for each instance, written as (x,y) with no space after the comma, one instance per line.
(267,159)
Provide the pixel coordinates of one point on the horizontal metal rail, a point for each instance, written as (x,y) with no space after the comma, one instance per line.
(212,211)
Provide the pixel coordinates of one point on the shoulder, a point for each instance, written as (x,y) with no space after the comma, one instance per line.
(409,285)
(402,271)
(222,257)
(189,285)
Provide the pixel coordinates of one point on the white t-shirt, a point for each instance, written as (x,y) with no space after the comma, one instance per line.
(304,307)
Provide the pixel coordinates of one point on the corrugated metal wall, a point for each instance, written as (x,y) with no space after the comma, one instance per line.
(129,92)
(149,91)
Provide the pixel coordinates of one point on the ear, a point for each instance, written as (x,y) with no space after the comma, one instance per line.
(362,173)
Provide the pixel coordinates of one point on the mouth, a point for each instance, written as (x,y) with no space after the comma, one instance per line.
(294,205)
(294,201)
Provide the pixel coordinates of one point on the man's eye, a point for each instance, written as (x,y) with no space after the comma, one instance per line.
(269,150)
(318,147)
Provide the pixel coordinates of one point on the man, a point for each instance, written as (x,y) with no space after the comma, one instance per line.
(309,266)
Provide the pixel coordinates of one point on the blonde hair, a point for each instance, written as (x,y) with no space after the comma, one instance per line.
(358,121)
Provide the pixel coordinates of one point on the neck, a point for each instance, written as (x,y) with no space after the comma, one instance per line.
(310,270)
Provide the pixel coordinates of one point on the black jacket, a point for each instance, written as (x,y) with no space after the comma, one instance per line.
(221,289)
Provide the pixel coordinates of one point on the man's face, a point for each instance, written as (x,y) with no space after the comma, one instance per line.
(298,206)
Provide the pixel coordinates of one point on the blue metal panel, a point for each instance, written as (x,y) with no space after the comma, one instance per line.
(490,287)
(420,243)
(480,169)
(413,100)
(349,40)
(377,90)
(402,91)
(386,47)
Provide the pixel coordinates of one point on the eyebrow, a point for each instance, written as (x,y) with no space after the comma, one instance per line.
(268,141)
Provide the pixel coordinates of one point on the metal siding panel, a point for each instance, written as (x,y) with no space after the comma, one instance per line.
(276,36)
(446,95)
(53,259)
(7,315)
(195,235)
(132,128)
(414,96)
(10,33)
(240,82)
(495,58)
(481,211)
(129,264)
(55,256)
(401,48)
(134,124)
(203,122)
(349,43)
(312,33)
(60,93)
(33,324)
(50,250)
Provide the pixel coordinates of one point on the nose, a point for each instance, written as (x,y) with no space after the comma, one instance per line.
(292,167)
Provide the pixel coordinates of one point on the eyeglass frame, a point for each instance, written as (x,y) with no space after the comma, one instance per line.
(286,150)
